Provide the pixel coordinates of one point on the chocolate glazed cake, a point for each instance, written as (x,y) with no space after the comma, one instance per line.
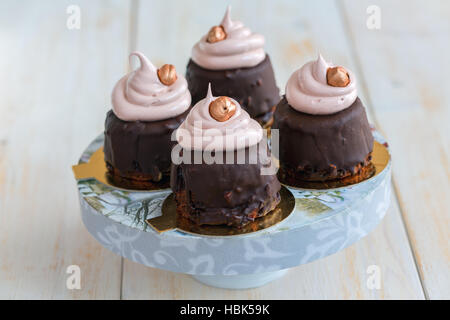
(233,60)
(254,88)
(323,147)
(138,155)
(323,128)
(231,194)
(148,105)
(223,192)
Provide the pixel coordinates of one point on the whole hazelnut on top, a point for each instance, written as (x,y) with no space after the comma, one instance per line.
(222,109)
(167,74)
(338,77)
(216,34)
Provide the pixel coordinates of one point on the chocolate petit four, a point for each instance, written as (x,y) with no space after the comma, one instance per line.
(233,60)
(323,128)
(232,191)
(147,106)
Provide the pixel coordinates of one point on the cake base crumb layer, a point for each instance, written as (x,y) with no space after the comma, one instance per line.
(295,179)
(136,181)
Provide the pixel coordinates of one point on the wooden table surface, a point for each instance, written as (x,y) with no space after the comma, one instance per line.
(55,86)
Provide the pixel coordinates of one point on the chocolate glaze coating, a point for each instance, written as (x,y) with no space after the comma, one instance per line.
(254,88)
(139,150)
(232,194)
(323,147)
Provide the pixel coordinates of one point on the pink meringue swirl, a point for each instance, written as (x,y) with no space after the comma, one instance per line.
(200,131)
(307,90)
(140,95)
(240,49)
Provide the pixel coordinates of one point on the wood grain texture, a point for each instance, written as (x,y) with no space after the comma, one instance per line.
(295,32)
(405,68)
(54,93)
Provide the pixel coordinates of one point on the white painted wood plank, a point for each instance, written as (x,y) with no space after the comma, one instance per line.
(295,32)
(405,66)
(55,86)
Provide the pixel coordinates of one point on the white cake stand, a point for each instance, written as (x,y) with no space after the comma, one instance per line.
(323,222)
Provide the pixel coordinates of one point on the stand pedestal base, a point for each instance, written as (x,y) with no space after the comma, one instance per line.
(241,281)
